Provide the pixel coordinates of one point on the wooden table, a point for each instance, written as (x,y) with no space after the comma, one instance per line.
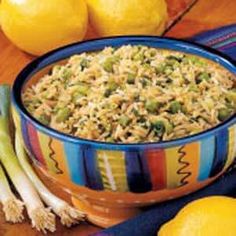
(204,15)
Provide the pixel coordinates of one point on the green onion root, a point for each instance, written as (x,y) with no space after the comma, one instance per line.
(68,215)
(41,218)
(12,207)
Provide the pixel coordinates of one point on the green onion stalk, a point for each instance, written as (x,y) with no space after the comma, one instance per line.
(41,218)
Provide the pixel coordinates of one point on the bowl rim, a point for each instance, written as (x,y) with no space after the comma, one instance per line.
(192,47)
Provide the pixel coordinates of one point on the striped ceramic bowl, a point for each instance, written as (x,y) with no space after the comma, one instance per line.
(105,178)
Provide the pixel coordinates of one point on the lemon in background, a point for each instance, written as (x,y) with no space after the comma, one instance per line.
(124,17)
(212,216)
(37,26)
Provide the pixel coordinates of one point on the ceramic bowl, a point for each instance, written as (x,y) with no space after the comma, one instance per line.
(110,181)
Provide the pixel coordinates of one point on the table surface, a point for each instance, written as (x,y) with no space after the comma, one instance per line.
(204,15)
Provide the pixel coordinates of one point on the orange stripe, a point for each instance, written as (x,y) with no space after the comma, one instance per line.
(192,156)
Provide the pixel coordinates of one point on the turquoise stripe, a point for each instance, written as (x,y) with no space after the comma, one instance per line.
(207,157)
(75,162)
(221,153)
(225,42)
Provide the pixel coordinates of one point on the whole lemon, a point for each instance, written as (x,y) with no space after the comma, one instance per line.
(124,17)
(212,216)
(37,26)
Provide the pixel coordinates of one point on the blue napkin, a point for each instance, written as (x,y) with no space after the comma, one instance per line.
(148,223)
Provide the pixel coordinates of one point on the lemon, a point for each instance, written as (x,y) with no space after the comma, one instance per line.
(124,17)
(37,26)
(212,216)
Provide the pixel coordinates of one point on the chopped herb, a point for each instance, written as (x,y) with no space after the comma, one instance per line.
(44,119)
(168,70)
(131,78)
(159,128)
(67,73)
(84,64)
(175,107)
(107,93)
(124,120)
(202,76)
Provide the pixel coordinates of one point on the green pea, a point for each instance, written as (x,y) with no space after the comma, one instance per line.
(66,74)
(112,85)
(160,69)
(172,61)
(193,88)
(63,114)
(159,128)
(153,53)
(168,69)
(131,78)
(168,127)
(109,63)
(84,63)
(124,120)
(231,96)
(152,105)
(76,96)
(175,107)
(224,114)
(82,89)
(147,66)
(44,119)
(202,76)
(139,57)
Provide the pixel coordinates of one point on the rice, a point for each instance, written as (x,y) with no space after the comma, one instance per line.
(133,94)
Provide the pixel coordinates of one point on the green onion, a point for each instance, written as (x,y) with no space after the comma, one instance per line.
(66,74)
(124,120)
(12,207)
(84,63)
(108,64)
(63,114)
(152,105)
(41,218)
(224,114)
(67,214)
(175,107)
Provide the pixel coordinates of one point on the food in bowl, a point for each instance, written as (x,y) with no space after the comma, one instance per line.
(133,94)
(110,180)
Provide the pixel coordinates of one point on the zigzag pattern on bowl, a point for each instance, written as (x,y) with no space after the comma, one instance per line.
(132,171)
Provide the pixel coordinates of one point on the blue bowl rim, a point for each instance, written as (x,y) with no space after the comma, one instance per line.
(25,74)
